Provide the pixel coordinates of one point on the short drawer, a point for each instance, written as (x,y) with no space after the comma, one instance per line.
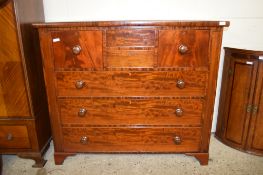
(131,111)
(77,49)
(130,58)
(131,38)
(132,139)
(12,137)
(183,48)
(129,83)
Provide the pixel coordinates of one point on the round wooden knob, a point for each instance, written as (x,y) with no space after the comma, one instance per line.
(76,49)
(182,49)
(84,140)
(180,84)
(79,84)
(177,140)
(179,112)
(82,112)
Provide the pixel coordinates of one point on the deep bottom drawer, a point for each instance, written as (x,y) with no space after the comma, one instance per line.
(14,137)
(132,139)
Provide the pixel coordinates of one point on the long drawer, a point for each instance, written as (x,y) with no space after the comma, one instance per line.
(131,111)
(132,139)
(131,83)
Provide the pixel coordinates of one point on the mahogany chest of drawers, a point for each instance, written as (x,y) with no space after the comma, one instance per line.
(131,86)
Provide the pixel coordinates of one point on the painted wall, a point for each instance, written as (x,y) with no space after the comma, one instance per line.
(246,17)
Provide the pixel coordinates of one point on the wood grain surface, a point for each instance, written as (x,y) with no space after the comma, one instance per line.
(90,43)
(255,135)
(24,121)
(240,117)
(130,58)
(131,139)
(130,99)
(131,111)
(240,97)
(132,37)
(196,41)
(123,83)
(13,95)
(14,137)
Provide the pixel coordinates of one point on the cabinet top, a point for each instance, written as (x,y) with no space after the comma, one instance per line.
(134,23)
(243,51)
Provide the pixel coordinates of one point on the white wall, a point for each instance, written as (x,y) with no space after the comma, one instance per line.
(246,17)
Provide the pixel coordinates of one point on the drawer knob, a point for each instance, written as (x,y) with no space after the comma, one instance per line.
(79,84)
(177,140)
(179,112)
(82,112)
(84,140)
(9,137)
(180,84)
(182,49)
(76,49)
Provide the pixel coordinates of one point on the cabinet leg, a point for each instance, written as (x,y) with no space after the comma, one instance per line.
(201,157)
(37,157)
(60,157)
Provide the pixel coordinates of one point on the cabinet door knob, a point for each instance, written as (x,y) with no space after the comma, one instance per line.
(177,140)
(180,84)
(84,140)
(182,49)
(82,112)
(179,112)
(9,137)
(79,84)
(76,49)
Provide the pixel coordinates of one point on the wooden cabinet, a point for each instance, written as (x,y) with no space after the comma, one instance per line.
(128,86)
(24,121)
(240,118)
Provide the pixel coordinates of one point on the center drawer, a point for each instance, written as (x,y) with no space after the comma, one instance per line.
(130,111)
(132,139)
(131,83)
(131,38)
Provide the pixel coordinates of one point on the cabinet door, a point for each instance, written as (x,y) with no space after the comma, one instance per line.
(242,74)
(13,95)
(255,139)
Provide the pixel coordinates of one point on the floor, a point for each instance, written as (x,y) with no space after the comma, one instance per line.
(223,160)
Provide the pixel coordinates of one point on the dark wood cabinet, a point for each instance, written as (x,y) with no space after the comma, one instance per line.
(24,121)
(240,117)
(131,86)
